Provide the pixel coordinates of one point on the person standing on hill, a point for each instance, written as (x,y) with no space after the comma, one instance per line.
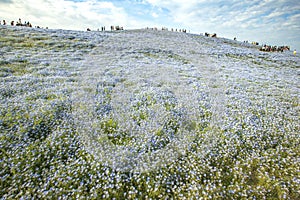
(295,52)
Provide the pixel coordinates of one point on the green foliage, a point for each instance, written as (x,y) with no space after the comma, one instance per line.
(159,54)
(17,68)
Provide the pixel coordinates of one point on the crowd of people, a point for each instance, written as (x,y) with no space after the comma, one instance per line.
(270,48)
(112,28)
(120,28)
(167,29)
(18,23)
(211,35)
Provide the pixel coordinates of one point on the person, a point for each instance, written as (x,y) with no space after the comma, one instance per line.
(295,52)
(20,22)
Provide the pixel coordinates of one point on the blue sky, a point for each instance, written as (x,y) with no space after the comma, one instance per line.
(275,22)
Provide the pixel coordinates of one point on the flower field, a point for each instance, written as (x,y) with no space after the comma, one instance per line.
(144,114)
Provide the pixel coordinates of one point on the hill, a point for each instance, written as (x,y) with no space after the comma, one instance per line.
(146,114)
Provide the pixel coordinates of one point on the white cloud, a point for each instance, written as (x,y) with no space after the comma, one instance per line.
(155,15)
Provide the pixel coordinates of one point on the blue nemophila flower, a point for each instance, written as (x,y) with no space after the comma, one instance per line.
(135,115)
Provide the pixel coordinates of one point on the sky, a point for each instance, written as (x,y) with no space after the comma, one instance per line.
(274,22)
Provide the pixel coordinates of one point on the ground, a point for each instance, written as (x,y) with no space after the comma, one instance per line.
(144,114)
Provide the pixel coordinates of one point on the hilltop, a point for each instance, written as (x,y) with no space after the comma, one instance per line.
(141,114)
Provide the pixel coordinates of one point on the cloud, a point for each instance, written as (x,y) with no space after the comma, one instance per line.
(5,1)
(155,15)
